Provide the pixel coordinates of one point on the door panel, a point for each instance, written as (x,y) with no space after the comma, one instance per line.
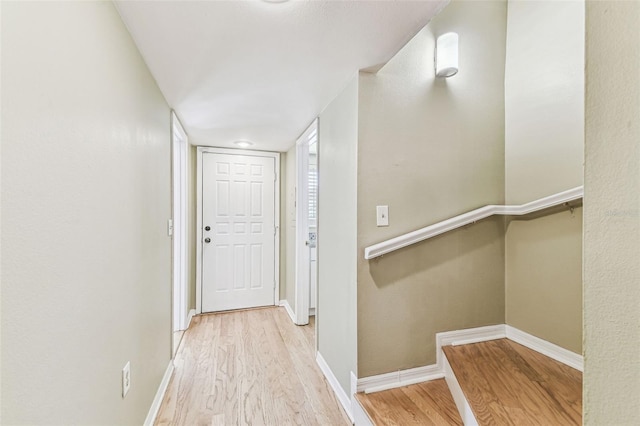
(238,205)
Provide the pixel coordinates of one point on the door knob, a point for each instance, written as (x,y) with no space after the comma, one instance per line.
(207,240)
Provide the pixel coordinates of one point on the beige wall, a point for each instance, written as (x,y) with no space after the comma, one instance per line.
(86,280)
(337,174)
(544,142)
(543,275)
(544,98)
(430,149)
(612,215)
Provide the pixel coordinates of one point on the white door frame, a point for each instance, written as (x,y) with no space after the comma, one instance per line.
(302,286)
(276,156)
(179,145)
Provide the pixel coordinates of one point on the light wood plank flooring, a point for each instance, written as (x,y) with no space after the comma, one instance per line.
(248,367)
(508,384)
(428,403)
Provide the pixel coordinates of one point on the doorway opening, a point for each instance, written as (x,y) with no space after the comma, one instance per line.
(178,228)
(306,224)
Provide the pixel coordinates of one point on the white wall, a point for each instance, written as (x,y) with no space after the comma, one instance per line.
(612,215)
(337,233)
(86,281)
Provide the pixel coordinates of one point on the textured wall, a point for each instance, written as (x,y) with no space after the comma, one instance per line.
(86,279)
(337,173)
(544,143)
(612,215)
(431,149)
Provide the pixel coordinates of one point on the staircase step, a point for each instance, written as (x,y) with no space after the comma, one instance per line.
(428,403)
(506,383)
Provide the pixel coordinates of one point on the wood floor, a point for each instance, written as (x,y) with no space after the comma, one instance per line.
(428,403)
(252,367)
(508,384)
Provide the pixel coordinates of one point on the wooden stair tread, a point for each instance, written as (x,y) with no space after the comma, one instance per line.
(428,403)
(506,383)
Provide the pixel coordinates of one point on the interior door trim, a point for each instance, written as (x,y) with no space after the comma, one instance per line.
(179,240)
(205,150)
(302,260)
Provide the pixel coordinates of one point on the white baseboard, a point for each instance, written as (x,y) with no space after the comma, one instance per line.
(360,416)
(312,311)
(435,371)
(463,337)
(468,419)
(466,336)
(344,399)
(287,307)
(352,394)
(549,349)
(492,332)
(192,312)
(482,334)
(157,400)
(399,378)
(442,368)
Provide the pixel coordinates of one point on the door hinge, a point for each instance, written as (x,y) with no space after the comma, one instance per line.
(275,231)
(275,177)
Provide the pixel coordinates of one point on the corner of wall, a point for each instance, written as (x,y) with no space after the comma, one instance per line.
(544,143)
(337,223)
(430,149)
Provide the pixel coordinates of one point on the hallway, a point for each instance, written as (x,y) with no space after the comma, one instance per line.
(248,367)
(106,110)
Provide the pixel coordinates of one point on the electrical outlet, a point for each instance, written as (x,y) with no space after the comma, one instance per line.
(126,378)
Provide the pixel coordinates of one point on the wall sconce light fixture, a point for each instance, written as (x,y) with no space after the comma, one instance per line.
(446,60)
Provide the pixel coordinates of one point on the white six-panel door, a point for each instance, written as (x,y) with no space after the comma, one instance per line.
(238,231)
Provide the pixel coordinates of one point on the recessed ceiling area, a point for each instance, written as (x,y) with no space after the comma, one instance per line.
(262,71)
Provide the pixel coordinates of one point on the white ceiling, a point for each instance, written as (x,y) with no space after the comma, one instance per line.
(260,71)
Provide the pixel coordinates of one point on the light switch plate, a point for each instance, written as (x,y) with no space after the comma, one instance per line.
(382,215)
(126,378)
